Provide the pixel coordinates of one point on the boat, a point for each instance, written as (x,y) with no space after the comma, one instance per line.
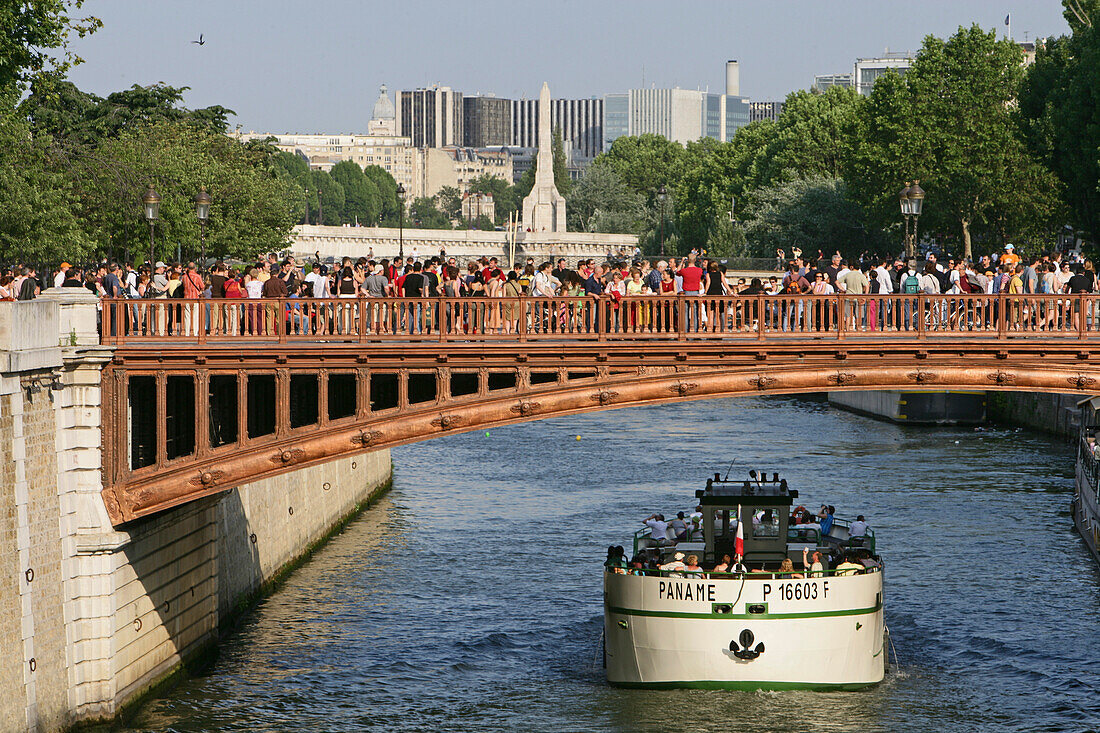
(666,626)
(1086,497)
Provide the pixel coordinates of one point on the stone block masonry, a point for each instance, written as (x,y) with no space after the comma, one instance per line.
(93,617)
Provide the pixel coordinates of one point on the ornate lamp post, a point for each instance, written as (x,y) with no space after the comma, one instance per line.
(662,194)
(912,204)
(150,201)
(202,212)
(401,221)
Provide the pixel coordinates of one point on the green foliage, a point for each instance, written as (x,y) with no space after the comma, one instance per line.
(329,199)
(58,108)
(644,162)
(362,204)
(387,192)
(506,199)
(41,216)
(251,211)
(424,214)
(35,39)
(449,201)
(728,240)
(949,122)
(811,213)
(601,202)
(561,174)
(1060,115)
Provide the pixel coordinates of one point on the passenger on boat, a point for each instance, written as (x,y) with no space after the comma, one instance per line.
(816,569)
(637,566)
(616,559)
(825,519)
(679,527)
(858,528)
(850,566)
(692,566)
(677,564)
(658,529)
(724,566)
(786,570)
(867,560)
(801,515)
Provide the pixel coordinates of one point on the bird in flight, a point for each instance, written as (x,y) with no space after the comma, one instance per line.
(200,41)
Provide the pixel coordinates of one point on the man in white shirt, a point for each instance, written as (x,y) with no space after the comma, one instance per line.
(658,528)
(62,273)
(857,528)
(318,282)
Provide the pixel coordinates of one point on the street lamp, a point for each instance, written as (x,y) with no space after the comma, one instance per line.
(150,201)
(911,199)
(401,222)
(662,194)
(202,212)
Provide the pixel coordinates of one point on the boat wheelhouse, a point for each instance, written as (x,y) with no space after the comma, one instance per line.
(766,627)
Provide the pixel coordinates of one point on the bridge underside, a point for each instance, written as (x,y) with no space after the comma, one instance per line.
(180,425)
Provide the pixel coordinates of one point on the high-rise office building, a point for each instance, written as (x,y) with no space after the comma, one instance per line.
(681,115)
(431,117)
(487,121)
(867,71)
(580,121)
(616,118)
(765,111)
(824,81)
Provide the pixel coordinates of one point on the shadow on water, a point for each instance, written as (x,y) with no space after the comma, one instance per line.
(470,600)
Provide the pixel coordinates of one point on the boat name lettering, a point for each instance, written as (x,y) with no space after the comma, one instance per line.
(673,591)
(796,591)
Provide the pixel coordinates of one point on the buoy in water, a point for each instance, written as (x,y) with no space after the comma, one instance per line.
(486,433)
(578,437)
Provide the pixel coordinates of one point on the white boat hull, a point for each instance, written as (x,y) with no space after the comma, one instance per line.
(818,633)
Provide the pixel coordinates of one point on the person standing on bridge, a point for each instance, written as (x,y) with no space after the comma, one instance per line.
(692,286)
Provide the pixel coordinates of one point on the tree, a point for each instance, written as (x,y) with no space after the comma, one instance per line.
(58,108)
(35,40)
(449,201)
(329,197)
(1060,115)
(562,181)
(505,198)
(810,138)
(41,215)
(362,204)
(811,213)
(601,202)
(644,162)
(252,209)
(387,192)
(949,122)
(424,214)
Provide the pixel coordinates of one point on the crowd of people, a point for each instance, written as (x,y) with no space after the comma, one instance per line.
(619,287)
(845,556)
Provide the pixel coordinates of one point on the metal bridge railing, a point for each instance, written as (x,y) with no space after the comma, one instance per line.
(633,318)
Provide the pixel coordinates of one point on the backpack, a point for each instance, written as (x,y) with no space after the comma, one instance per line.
(910,284)
(975,284)
(875,286)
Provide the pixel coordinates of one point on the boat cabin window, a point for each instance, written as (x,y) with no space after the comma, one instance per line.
(765,523)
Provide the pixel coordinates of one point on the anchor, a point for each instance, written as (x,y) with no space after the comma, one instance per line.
(746,637)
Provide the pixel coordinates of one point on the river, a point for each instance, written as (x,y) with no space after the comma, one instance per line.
(470,598)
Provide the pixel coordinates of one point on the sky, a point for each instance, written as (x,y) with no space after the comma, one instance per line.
(316,66)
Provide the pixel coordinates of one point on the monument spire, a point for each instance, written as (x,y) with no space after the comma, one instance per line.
(544,207)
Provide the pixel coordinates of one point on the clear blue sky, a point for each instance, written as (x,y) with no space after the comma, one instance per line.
(316,66)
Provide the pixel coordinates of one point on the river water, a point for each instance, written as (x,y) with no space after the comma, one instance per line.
(470,598)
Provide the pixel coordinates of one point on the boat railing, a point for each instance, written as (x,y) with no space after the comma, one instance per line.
(795,533)
(752,575)
(868,537)
(1089,465)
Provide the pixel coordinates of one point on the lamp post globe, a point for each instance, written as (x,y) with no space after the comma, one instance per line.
(202,213)
(150,202)
(916,198)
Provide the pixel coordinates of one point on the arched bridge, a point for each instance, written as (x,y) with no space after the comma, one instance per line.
(201,396)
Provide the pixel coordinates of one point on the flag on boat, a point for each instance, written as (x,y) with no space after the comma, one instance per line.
(739,540)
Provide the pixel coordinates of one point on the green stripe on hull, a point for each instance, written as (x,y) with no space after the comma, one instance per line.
(742,616)
(716,685)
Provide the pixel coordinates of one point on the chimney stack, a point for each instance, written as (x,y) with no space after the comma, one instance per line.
(733,79)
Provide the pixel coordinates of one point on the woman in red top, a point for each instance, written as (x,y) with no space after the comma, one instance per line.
(666,311)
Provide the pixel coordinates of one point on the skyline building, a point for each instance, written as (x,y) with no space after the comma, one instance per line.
(765,111)
(487,121)
(580,121)
(431,117)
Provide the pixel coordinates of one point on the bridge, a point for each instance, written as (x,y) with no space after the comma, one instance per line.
(201,396)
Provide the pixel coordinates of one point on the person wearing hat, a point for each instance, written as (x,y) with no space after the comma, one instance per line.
(1010,257)
(62,273)
(676,564)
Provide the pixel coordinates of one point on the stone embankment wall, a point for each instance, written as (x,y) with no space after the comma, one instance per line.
(92,617)
(1051,413)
